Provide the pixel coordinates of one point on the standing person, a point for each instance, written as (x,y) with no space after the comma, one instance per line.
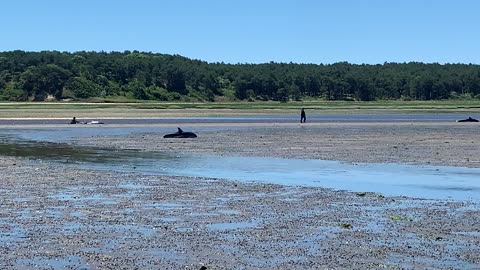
(303,117)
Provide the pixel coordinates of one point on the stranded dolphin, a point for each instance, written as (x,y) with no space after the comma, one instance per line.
(181,134)
(94,122)
(469,119)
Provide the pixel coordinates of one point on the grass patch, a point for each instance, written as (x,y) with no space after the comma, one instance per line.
(399,218)
(346,226)
(361,194)
(244,105)
(64,109)
(370,194)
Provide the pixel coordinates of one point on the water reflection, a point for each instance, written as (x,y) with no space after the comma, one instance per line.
(65,152)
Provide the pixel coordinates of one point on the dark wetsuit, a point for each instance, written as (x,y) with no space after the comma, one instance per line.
(303,117)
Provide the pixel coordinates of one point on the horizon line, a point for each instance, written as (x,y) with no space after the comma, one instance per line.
(238,63)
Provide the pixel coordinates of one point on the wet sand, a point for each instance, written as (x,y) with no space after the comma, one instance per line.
(62,216)
(453,144)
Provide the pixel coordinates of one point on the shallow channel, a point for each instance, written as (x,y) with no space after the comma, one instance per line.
(432,182)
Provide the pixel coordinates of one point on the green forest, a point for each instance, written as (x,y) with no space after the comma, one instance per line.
(137,76)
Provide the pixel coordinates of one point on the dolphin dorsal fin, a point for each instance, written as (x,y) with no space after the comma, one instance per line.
(180,130)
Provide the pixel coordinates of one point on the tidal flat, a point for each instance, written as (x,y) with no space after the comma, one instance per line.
(62,215)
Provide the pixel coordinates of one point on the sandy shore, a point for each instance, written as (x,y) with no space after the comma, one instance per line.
(59,216)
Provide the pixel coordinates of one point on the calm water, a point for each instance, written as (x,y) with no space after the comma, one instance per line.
(293,118)
(389,179)
(55,145)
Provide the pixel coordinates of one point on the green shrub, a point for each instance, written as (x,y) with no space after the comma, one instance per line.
(13,95)
(81,88)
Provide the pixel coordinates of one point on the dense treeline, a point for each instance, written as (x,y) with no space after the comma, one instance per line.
(52,75)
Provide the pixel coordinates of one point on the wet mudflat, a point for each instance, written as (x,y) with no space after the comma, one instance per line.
(428,182)
(62,215)
(59,216)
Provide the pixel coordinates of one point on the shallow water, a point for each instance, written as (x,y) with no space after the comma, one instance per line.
(12,144)
(432,182)
(280,118)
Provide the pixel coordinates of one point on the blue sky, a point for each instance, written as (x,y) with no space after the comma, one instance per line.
(251,31)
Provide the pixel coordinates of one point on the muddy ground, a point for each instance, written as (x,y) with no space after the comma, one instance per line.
(453,144)
(59,216)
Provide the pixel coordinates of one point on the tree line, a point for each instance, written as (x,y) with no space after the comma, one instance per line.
(134,75)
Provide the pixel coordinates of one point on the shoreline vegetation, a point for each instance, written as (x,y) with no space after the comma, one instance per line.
(131,76)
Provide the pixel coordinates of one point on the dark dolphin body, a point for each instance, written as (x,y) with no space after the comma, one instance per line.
(181,134)
(469,119)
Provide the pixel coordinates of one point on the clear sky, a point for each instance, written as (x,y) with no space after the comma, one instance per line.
(251,31)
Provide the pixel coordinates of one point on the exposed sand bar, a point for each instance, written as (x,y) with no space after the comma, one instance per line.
(109,111)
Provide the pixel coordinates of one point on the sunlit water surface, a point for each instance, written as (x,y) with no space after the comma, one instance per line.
(433,182)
